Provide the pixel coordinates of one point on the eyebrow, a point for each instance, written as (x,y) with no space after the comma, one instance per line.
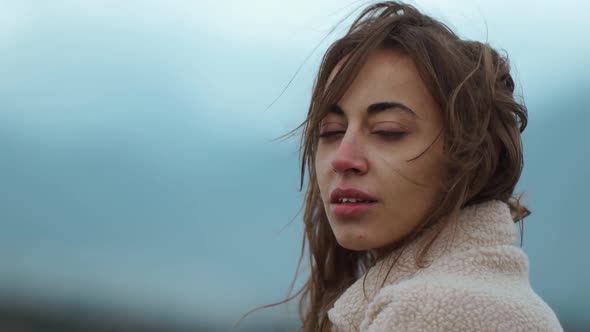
(378,108)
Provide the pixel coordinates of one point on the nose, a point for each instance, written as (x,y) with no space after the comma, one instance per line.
(350,157)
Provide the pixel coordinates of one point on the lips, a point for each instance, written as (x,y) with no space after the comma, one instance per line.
(339,193)
(351,209)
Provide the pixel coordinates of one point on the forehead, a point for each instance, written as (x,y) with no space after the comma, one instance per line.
(388,75)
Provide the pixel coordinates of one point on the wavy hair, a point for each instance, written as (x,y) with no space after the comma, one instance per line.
(482,124)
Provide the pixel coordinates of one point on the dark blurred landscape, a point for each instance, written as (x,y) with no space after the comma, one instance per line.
(16,316)
(64,318)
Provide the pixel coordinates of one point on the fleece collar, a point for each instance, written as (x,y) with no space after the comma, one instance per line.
(485,224)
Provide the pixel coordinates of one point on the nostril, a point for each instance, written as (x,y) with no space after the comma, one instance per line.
(349,167)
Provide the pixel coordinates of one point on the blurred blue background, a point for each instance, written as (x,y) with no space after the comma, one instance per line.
(139,179)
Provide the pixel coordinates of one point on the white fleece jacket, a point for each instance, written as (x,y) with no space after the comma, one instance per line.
(478,283)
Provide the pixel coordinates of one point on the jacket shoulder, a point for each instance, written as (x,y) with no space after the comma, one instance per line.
(457,304)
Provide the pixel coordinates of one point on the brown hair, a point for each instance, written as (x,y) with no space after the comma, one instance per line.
(471,83)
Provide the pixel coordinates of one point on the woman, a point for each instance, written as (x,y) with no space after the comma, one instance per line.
(412,145)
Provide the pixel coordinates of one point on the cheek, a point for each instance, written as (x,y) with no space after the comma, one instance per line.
(431,168)
(322,173)
(386,167)
(423,164)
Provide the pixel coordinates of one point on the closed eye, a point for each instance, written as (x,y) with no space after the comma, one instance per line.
(386,134)
(391,134)
(331,133)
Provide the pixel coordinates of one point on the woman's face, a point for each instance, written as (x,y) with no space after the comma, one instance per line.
(386,118)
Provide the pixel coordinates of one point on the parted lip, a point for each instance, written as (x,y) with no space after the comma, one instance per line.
(350,193)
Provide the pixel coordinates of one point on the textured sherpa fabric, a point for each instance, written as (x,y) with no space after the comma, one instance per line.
(477,281)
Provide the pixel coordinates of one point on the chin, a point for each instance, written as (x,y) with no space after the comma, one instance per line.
(355,245)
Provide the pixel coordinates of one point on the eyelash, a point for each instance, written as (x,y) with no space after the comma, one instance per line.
(390,135)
